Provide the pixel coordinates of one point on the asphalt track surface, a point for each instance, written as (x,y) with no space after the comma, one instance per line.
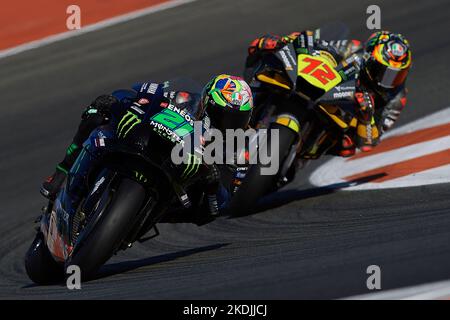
(311,244)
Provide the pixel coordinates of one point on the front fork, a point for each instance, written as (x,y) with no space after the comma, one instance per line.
(287,167)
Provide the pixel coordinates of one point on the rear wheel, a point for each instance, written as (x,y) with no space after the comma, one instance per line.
(102,239)
(40,266)
(256,185)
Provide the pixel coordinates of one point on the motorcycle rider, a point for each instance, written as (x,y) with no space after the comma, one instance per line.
(225,103)
(380,68)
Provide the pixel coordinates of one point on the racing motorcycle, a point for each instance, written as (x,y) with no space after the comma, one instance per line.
(120,186)
(310,99)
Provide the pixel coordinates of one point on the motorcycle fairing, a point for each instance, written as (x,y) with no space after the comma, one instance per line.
(318,71)
(338,104)
(58,226)
(288,57)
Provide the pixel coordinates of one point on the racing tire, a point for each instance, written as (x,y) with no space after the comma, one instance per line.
(255,186)
(40,266)
(103,238)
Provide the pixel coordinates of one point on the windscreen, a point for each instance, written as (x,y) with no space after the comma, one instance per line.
(185,93)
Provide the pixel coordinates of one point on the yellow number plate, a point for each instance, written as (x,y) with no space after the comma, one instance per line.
(318,71)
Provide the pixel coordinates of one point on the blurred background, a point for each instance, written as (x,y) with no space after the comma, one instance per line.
(311,246)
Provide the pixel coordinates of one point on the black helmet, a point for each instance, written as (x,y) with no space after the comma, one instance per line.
(228,102)
(388,59)
(188,101)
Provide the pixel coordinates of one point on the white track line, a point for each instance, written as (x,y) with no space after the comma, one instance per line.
(382,159)
(428,291)
(334,170)
(92,27)
(432,120)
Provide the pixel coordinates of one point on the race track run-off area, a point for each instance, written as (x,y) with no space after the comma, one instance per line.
(413,155)
(316,237)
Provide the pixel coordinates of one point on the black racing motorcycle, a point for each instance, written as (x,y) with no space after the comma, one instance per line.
(121,185)
(309,98)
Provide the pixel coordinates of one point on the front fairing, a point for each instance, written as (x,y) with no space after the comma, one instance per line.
(58,224)
(338,105)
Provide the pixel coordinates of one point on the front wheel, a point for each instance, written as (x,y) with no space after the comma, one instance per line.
(40,266)
(255,185)
(103,238)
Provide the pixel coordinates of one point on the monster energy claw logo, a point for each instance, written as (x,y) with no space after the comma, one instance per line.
(192,166)
(130,120)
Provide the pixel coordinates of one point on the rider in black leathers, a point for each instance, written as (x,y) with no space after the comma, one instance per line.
(380,68)
(227,116)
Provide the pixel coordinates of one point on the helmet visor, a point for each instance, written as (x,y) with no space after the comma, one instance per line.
(385,76)
(227,118)
(392,78)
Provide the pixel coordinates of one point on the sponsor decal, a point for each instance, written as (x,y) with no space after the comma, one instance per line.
(398,50)
(144,87)
(165,132)
(140,176)
(343,94)
(137,109)
(97,185)
(341,88)
(286,62)
(99,142)
(152,88)
(173,123)
(187,117)
(192,166)
(143,101)
(288,52)
(302,41)
(318,71)
(128,122)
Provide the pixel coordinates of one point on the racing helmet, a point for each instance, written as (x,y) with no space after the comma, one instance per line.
(188,101)
(387,59)
(228,102)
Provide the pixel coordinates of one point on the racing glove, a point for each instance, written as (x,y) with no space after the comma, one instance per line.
(392,110)
(367,134)
(270,43)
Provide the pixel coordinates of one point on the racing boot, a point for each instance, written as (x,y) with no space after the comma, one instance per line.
(213,206)
(50,187)
(95,115)
(209,209)
(212,188)
(346,148)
